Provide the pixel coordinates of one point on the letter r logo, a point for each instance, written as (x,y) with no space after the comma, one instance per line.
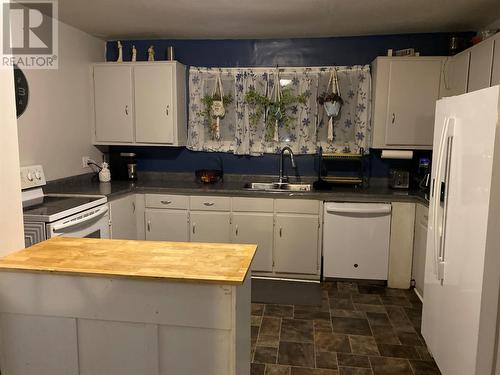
(28,28)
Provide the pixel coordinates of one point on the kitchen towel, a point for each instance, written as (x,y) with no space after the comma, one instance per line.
(397,154)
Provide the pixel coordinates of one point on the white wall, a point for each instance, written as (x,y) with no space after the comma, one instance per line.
(55,129)
(11,219)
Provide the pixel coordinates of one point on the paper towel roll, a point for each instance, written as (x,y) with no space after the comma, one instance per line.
(397,154)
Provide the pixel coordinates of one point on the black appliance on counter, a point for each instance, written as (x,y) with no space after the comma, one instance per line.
(123,166)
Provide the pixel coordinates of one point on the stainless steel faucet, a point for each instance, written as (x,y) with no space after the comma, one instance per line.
(282,162)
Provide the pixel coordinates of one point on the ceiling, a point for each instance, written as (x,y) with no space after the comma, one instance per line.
(239,19)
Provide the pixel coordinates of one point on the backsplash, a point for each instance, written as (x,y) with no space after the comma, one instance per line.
(285,52)
(179,159)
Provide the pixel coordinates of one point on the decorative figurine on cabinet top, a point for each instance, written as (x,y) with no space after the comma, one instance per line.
(134,54)
(151,53)
(120,52)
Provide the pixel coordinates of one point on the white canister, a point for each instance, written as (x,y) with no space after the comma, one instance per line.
(105,174)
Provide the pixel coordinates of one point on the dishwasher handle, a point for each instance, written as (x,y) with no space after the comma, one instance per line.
(347,209)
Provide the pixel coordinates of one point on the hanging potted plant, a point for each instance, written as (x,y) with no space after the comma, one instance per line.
(214,107)
(275,109)
(332,102)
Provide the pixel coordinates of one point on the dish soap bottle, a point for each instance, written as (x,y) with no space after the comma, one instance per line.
(105,174)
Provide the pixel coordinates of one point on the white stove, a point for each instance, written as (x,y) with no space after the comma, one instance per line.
(52,215)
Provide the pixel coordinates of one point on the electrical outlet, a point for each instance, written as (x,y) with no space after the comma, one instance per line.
(85,161)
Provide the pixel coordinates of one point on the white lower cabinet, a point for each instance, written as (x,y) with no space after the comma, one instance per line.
(167,225)
(250,227)
(210,226)
(419,247)
(123,218)
(286,231)
(296,243)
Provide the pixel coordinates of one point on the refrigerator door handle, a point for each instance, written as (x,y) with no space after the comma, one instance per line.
(437,202)
(445,193)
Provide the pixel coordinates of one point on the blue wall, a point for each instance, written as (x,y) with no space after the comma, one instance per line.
(269,52)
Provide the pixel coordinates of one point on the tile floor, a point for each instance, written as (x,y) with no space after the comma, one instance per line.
(360,329)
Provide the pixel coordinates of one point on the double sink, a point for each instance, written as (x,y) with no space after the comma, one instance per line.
(277,186)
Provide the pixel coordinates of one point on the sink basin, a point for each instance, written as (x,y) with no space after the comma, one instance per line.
(276,186)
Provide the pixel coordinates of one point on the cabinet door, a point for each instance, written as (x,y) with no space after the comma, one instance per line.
(167,225)
(413,91)
(123,218)
(209,226)
(481,59)
(256,228)
(495,74)
(419,247)
(296,244)
(114,120)
(457,74)
(154,118)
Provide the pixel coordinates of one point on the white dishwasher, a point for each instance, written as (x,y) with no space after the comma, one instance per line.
(356,240)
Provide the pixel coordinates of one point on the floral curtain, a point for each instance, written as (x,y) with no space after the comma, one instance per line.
(244,132)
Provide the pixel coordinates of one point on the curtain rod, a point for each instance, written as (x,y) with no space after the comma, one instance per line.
(339,68)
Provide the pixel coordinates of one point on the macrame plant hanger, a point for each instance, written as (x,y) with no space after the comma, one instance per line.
(332,112)
(277,99)
(218,110)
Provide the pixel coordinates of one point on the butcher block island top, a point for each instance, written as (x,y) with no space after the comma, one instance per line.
(173,261)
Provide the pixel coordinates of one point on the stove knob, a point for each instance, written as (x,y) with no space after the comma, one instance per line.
(38,175)
(29,176)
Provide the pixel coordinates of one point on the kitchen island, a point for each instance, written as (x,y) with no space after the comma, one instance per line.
(92,306)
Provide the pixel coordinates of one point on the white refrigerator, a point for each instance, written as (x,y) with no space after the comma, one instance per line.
(462,270)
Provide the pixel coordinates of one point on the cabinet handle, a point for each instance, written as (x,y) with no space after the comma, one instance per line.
(133,207)
(393,117)
(194,228)
(281,231)
(166,110)
(149,225)
(236,229)
(126,110)
(166,202)
(209,204)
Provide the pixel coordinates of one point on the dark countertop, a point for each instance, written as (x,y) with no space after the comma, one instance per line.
(233,185)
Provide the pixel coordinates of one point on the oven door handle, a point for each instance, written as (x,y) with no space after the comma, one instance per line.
(99,212)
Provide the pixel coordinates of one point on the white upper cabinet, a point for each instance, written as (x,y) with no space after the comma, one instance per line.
(456,74)
(495,72)
(405,90)
(153,103)
(113,100)
(481,60)
(140,103)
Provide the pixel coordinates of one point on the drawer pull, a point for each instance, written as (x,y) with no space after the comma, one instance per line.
(149,225)
(126,110)
(208,204)
(236,229)
(166,202)
(194,228)
(281,231)
(393,118)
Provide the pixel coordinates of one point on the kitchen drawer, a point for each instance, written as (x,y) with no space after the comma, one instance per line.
(167,201)
(203,203)
(252,204)
(297,206)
